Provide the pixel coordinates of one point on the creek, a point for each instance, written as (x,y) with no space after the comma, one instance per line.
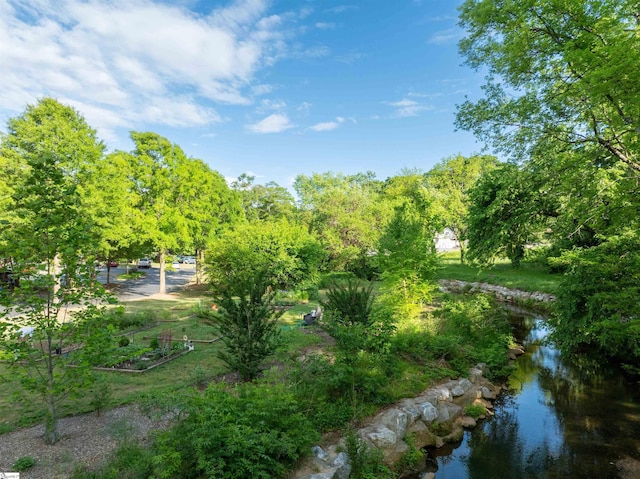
(561,417)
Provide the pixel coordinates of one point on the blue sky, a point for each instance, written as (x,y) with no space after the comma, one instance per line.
(270,88)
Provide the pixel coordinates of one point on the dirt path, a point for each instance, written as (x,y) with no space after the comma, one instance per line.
(86,440)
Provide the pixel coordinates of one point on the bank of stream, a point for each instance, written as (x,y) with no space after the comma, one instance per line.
(560,418)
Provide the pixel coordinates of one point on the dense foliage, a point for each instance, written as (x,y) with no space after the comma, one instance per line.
(561,99)
(598,302)
(247,322)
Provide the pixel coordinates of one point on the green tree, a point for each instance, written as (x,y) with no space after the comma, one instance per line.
(56,310)
(209,207)
(248,323)
(406,250)
(597,306)
(157,175)
(347,214)
(562,71)
(451,180)
(119,221)
(264,202)
(503,215)
(284,252)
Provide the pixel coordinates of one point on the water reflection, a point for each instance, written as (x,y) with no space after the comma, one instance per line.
(563,417)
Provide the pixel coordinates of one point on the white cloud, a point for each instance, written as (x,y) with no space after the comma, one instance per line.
(275,123)
(304,107)
(350,57)
(261,89)
(341,8)
(405,108)
(124,62)
(267,104)
(327,125)
(325,25)
(451,35)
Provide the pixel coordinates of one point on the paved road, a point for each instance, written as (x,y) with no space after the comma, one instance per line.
(147,285)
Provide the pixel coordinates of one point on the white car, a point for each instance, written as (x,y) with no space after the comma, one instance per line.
(189,260)
(144,263)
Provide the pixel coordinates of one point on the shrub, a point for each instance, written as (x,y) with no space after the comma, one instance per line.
(199,377)
(121,321)
(101,396)
(23,463)
(411,460)
(130,460)
(248,325)
(330,279)
(123,341)
(475,410)
(366,463)
(249,431)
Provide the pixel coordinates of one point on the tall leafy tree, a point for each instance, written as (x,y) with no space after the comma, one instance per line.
(346,213)
(451,180)
(406,250)
(284,253)
(503,215)
(157,176)
(561,71)
(209,206)
(264,202)
(56,153)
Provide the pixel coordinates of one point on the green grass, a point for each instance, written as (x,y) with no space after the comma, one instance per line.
(529,277)
(131,275)
(25,409)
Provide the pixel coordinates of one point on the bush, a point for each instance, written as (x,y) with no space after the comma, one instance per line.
(23,463)
(475,410)
(248,325)
(121,321)
(129,461)
(101,396)
(597,305)
(123,341)
(365,463)
(249,431)
(330,279)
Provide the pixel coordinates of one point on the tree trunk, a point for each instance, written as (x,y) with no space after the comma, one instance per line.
(51,420)
(163,288)
(198,266)
(56,273)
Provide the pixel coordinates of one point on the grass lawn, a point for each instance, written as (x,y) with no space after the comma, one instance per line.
(19,409)
(529,277)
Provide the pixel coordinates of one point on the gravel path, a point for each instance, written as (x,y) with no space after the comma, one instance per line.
(86,439)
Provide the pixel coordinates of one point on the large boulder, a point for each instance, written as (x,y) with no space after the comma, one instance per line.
(392,455)
(397,420)
(460,387)
(380,436)
(428,411)
(422,436)
(342,465)
(448,411)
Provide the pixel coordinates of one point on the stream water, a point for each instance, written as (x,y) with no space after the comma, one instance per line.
(561,418)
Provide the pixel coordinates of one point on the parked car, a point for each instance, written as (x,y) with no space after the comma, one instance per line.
(189,260)
(144,263)
(113,264)
(175,264)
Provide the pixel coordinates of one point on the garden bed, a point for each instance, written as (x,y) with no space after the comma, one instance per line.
(142,363)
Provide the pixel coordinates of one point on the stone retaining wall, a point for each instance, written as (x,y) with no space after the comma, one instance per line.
(434,418)
(500,292)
